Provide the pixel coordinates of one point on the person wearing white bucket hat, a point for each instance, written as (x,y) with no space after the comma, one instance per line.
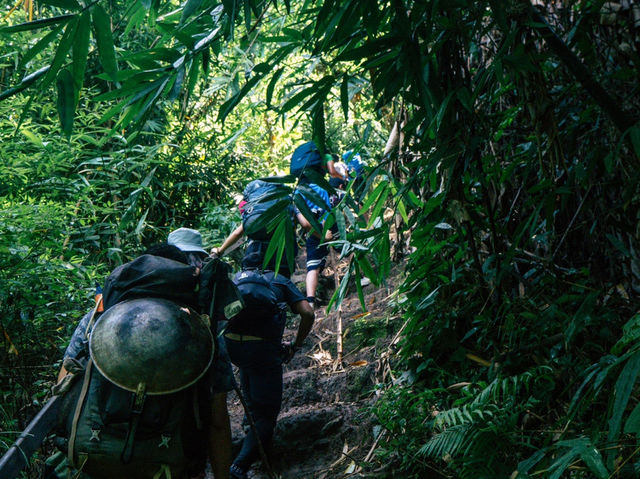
(187,240)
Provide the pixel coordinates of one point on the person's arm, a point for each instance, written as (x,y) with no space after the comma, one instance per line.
(306,225)
(304,222)
(220,437)
(230,241)
(307,316)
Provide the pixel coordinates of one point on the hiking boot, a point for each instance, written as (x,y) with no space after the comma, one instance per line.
(236,473)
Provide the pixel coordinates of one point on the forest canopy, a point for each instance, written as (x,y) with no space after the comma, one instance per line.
(502,146)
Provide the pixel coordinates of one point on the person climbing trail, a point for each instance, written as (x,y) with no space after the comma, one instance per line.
(254,341)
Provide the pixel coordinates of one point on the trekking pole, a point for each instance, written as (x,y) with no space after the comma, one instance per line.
(252,425)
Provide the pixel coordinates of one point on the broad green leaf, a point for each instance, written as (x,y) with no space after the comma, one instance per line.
(104,39)
(632,425)
(32,137)
(38,47)
(190,7)
(230,104)
(274,213)
(136,18)
(375,212)
(297,98)
(151,100)
(66,100)
(61,53)
(276,244)
(272,85)
(344,97)
(177,85)
(371,198)
(306,212)
(37,24)
(26,81)
(622,392)
(358,279)
(80,51)
(373,48)
(341,291)
(68,4)
(593,459)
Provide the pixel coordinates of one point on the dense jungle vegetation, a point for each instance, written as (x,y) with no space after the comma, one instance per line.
(501,137)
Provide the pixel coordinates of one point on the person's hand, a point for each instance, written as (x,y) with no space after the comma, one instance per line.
(287,351)
(215,252)
(328,236)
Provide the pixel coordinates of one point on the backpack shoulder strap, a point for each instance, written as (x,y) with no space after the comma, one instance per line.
(76,414)
(92,319)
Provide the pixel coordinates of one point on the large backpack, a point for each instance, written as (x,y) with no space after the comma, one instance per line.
(111,431)
(262,315)
(305,157)
(108,426)
(264,200)
(255,290)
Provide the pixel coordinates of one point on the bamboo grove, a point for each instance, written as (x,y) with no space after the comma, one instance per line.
(503,145)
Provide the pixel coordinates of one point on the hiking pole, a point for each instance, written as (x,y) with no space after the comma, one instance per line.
(252,425)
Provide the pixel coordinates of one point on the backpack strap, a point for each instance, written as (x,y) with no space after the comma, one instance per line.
(76,414)
(92,319)
(136,413)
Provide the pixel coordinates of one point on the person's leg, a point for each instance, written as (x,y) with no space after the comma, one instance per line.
(312,283)
(261,373)
(316,257)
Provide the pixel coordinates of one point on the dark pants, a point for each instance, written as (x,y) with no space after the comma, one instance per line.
(260,367)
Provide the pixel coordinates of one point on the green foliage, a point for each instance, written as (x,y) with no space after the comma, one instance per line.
(512,167)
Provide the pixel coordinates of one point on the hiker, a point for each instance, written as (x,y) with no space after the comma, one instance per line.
(254,342)
(308,156)
(190,242)
(316,251)
(137,279)
(258,197)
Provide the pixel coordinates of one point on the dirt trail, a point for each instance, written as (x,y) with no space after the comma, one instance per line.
(325,427)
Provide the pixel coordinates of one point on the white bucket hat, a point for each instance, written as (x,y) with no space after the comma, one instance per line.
(186,239)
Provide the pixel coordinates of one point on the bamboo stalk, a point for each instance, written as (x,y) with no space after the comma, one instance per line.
(336,281)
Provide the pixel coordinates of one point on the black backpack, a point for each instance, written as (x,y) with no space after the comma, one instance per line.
(305,157)
(255,290)
(265,201)
(262,316)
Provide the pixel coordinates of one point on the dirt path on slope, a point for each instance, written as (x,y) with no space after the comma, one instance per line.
(326,427)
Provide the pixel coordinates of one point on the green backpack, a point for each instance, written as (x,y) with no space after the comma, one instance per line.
(136,412)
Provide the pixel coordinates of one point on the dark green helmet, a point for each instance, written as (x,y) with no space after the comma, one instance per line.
(151,343)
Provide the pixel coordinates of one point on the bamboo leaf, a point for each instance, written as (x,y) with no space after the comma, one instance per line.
(379,205)
(66,4)
(80,52)
(274,245)
(300,202)
(359,286)
(344,97)
(371,198)
(189,9)
(624,386)
(66,101)
(39,46)
(230,104)
(37,24)
(104,39)
(272,84)
(61,53)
